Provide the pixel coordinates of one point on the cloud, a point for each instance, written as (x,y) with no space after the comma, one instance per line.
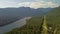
(38,4)
(7,3)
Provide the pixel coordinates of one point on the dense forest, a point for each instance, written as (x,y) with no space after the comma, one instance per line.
(48,24)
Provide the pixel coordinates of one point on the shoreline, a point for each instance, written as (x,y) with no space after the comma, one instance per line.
(16,24)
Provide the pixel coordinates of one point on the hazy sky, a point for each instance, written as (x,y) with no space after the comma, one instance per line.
(29,3)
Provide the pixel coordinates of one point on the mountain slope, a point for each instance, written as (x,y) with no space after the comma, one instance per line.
(53,17)
(9,15)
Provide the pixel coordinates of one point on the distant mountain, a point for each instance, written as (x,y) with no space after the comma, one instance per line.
(22,11)
(12,14)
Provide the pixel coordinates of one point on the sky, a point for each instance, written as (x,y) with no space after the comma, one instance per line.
(30,3)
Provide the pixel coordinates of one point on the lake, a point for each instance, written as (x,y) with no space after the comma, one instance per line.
(13,25)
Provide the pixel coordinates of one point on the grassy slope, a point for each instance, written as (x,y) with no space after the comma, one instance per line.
(53,17)
(34,23)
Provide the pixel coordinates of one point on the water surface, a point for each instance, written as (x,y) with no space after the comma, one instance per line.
(16,24)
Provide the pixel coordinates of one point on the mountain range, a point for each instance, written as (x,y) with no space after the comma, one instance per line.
(9,15)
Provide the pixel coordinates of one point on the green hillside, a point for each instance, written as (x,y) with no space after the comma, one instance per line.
(35,26)
(53,17)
